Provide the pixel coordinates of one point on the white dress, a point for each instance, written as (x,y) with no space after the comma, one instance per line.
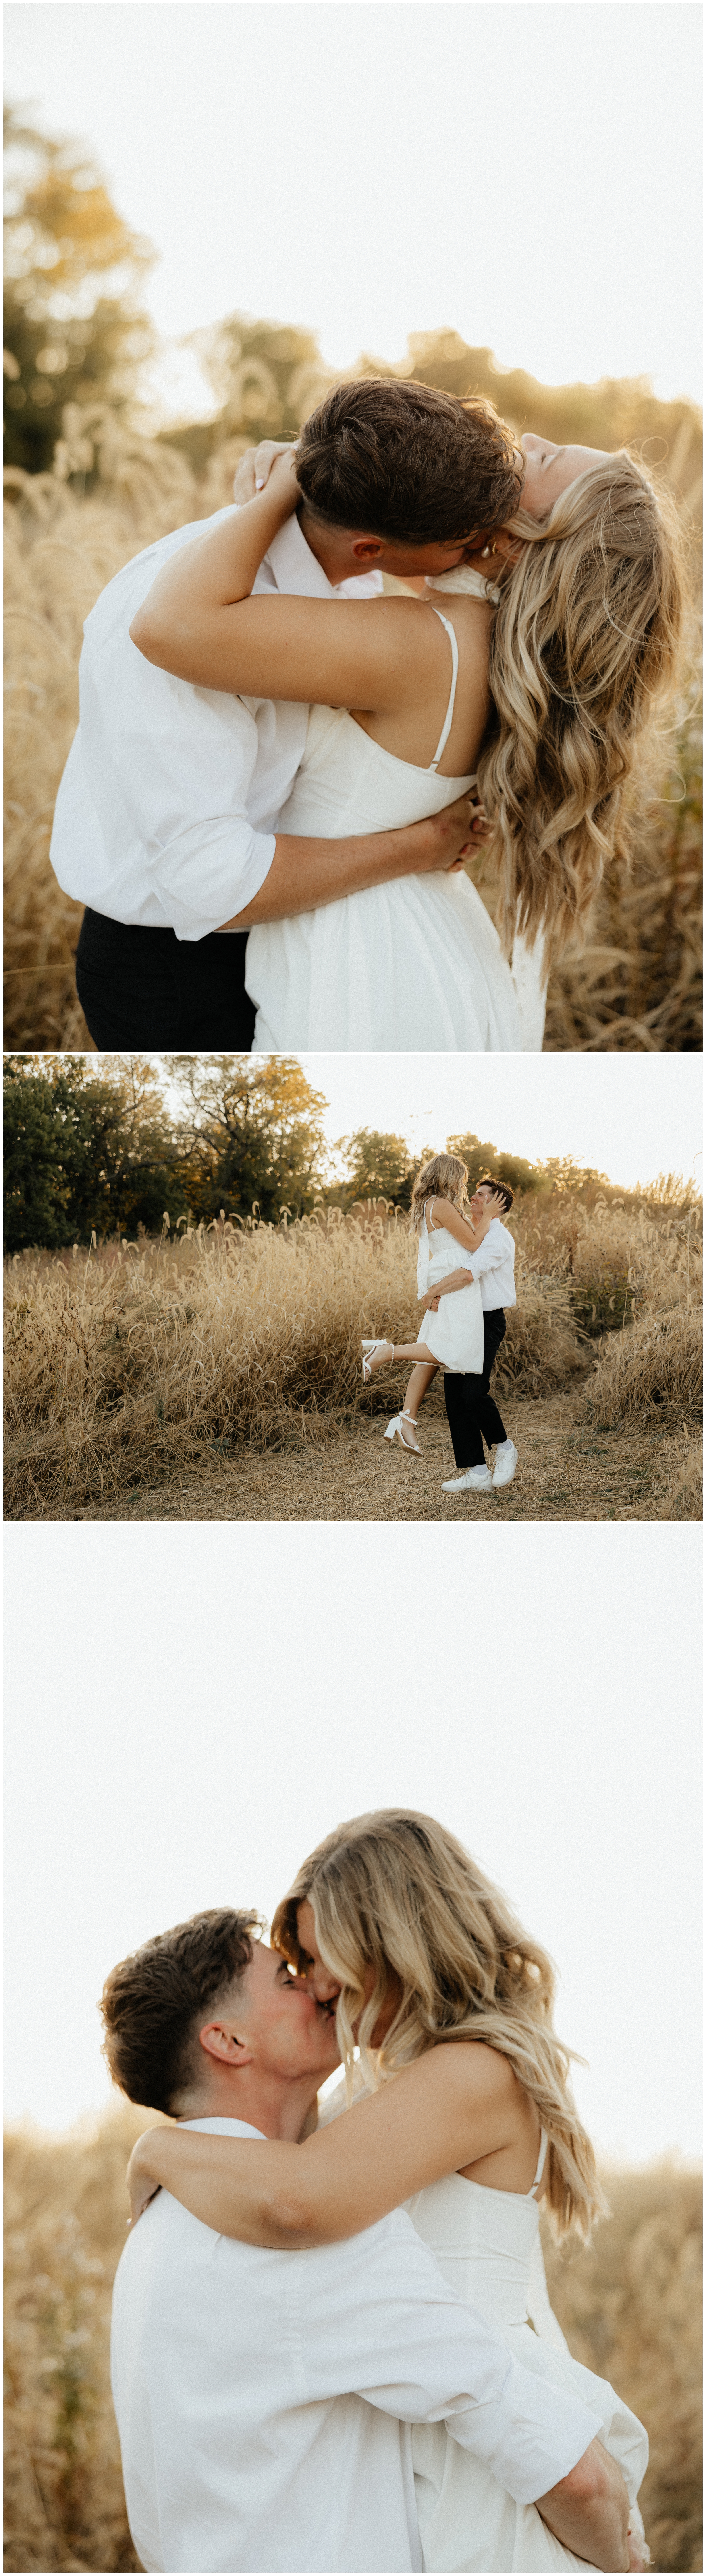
(413,964)
(488,2249)
(487,2246)
(455,1333)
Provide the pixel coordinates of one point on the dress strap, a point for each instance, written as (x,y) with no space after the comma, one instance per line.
(463,579)
(446,729)
(543,2144)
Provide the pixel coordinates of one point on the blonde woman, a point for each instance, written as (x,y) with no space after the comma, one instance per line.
(456,1332)
(537,690)
(466,2116)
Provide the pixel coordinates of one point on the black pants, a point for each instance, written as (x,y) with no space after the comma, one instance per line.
(146,988)
(470,1409)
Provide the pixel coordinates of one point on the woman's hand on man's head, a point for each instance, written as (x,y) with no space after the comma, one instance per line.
(256,466)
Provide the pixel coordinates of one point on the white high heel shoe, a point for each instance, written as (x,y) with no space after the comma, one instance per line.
(369,1349)
(395,1432)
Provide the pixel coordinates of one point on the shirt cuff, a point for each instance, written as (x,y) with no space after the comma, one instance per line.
(230,882)
(532,2438)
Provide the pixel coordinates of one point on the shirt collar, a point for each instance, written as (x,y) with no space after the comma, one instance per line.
(294,566)
(223,2127)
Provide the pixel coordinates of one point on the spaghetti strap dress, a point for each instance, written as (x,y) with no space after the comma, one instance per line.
(488,2249)
(409,965)
(487,2246)
(455,1334)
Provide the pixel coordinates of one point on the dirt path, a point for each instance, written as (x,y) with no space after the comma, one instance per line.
(567,1472)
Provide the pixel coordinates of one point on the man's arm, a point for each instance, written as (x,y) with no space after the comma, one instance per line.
(168,770)
(306,873)
(377,2320)
(454,1279)
(589,2510)
(489,1255)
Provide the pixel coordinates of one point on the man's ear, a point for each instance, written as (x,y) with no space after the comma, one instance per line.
(223,2044)
(367,550)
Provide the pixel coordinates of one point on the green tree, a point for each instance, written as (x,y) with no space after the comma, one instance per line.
(609,414)
(86,1151)
(73,330)
(251,1134)
(512,1168)
(266,376)
(380,1166)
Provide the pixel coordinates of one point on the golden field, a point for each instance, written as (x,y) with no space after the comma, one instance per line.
(634,984)
(131,1363)
(630,2309)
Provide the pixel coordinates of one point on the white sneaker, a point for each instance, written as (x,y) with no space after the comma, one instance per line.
(474,1480)
(505,1463)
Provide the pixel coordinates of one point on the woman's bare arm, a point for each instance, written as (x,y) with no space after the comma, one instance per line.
(469,1235)
(200,622)
(454,2105)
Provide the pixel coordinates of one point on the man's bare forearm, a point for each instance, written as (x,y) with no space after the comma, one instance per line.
(307,873)
(454,1279)
(588,2510)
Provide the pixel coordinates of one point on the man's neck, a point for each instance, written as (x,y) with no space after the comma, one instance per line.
(279,2110)
(332,548)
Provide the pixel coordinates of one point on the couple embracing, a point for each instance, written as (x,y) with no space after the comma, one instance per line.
(465,1280)
(280,768)
(332,2341)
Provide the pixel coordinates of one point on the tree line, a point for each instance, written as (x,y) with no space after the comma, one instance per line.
(111,1145)
(76,335)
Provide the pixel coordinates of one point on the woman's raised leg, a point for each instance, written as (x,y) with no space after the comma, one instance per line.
(404,1426)
(420,1380)
(381,1355)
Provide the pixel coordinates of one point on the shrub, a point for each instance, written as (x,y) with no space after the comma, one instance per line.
(654,1374)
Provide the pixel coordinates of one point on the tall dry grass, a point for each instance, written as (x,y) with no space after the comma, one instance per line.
(630,2310)
(635,984)
(654,1372)
(125,1362)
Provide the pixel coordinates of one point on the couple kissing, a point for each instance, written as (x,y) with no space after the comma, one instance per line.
(281,768)
(332,2343)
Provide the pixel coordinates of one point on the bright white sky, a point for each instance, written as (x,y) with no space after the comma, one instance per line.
(628,1116)
(190,1707)
(527,174)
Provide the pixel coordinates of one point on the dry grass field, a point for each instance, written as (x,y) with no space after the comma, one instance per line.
(630,2309)
(130,1369)
(635,984)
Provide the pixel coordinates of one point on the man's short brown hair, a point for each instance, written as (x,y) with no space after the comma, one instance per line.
(403,461)
(153,2004)
(489,1181)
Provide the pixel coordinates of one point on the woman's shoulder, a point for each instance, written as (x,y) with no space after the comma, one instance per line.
(470,2068)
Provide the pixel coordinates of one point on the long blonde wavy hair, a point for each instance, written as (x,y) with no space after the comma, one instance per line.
(584,643)
(396,1892)
(443,1177)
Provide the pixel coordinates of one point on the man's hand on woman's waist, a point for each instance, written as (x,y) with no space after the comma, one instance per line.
(307,873)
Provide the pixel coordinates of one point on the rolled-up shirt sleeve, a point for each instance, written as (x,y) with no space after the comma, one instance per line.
(381,2324)
(164,772)
(488,1257)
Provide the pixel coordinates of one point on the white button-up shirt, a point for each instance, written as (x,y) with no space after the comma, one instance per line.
(494,1266)
(263,2399)
(171,795)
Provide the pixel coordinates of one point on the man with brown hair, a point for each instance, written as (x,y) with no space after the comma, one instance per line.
(167,813)
(263,2397)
